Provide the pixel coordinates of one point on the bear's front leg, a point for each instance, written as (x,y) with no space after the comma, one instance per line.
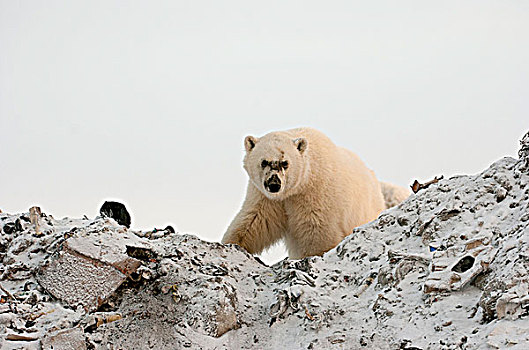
(259,224)
(313,229)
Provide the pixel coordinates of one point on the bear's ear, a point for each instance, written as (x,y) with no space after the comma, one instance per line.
(301,144)
(249,143)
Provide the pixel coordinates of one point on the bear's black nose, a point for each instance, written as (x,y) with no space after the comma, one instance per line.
(273,184)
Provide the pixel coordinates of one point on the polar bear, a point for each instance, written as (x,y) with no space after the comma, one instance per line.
(305,190)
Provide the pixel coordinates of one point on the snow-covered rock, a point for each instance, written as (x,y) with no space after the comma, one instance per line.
(446,269)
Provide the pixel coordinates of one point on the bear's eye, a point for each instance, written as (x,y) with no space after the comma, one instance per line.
(284,164)
(264,164)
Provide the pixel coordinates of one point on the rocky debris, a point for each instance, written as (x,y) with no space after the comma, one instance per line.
(446,269)
(509,335)
(68,339)
(77,280)
(195,290)
(79,262)
(523,153)
(457,266)
(34,217)
(90,266)
(158,233)
(116,211)
(94,320)
(514,302)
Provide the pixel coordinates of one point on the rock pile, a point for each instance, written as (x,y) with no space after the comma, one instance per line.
(446,269)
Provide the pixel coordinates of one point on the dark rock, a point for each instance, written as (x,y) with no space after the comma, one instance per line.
(464,264)
(141,253)
(116,211)
(18,225)
(9,228)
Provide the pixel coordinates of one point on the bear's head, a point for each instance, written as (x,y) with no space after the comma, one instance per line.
(276,164)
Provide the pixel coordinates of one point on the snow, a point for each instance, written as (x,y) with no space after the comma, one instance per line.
(446,269)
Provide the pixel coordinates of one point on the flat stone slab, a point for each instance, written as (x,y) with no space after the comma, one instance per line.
(108,248)
(78,280)
(89,269)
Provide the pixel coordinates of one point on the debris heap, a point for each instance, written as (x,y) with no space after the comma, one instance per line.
(446,269)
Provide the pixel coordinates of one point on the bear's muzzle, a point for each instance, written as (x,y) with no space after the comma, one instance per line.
(273,184)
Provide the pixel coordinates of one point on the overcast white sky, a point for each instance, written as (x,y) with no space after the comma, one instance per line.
(148,102)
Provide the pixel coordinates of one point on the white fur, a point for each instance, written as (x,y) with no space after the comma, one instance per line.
(393,194)
(326,191)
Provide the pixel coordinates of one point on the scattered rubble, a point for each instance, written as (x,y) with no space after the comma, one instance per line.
(446,269)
